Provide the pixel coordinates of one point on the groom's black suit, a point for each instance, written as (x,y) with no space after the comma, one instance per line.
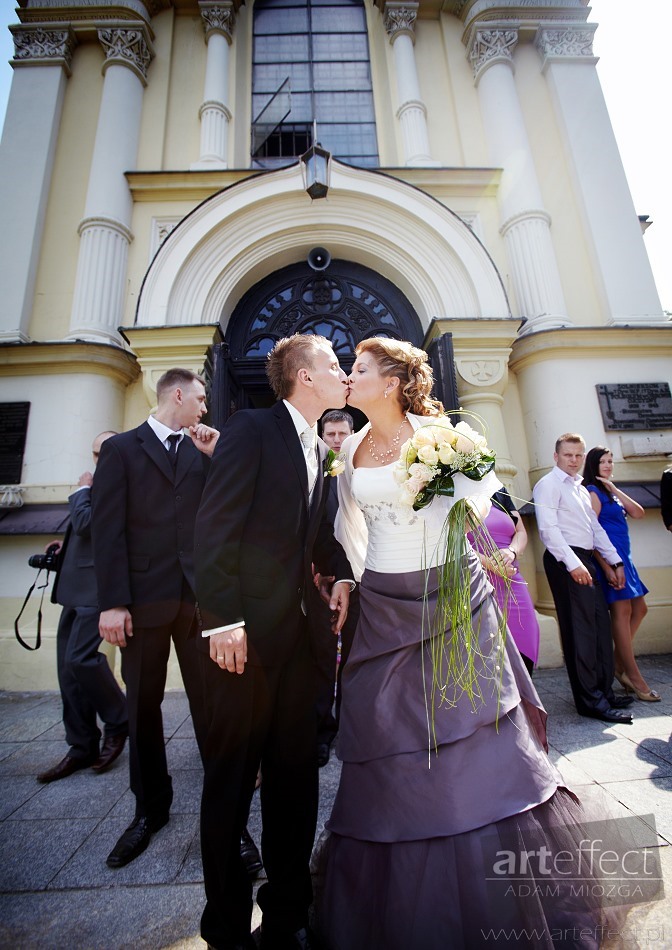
(256,535)
(144,512)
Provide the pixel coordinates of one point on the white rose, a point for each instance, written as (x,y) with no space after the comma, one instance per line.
(446,454)
(468,440)
(428,454)
(444,433)
(423,472)
(423,436)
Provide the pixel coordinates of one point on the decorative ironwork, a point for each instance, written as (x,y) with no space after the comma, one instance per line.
(346,304)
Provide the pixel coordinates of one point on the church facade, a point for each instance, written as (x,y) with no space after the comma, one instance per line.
(186,181)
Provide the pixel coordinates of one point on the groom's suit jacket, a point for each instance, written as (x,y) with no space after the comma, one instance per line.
(143,524)
(257,533)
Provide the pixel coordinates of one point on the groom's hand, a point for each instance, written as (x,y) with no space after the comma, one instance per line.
(338,603)
(228,649)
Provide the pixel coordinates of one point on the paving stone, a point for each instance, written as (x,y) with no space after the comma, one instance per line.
(620,760)
(15,791)
(161,863)
(35,851)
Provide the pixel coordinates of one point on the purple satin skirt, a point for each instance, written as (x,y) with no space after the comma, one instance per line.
(415,829)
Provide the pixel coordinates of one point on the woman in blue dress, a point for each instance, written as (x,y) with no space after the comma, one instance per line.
(627,606)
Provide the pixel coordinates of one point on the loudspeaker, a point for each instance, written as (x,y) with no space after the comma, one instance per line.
(319,259)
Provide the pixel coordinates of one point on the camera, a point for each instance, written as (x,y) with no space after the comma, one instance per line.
(45,562)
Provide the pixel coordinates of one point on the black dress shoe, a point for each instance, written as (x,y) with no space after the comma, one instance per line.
(65,767)
(322,754)
(113,746)
(610,715)
(134,840)
(250,855)
(303,939)
(620,702)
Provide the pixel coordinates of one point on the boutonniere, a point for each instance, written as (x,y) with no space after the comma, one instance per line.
(334,463)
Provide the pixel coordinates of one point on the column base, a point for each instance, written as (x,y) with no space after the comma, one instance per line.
(209,165)
(13,336)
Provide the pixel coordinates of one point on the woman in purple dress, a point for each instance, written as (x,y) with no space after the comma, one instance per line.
(627,606)
(507,532)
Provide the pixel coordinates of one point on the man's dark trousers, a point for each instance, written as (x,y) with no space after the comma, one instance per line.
(585,631)
(87,684)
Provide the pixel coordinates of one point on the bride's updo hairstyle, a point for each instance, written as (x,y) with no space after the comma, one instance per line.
(409,364)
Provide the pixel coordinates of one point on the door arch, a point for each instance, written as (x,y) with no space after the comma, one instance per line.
(346,302)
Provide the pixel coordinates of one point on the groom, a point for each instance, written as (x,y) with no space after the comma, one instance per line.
(260,525)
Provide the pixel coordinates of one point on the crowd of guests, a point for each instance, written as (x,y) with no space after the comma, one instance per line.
(246,575)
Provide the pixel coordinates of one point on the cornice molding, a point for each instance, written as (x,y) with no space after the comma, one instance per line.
(65,358)
(589,343)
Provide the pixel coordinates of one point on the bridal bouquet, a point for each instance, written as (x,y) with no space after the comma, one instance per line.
(434,454)
(427,466)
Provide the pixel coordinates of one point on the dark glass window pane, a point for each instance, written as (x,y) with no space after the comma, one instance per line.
(278,49)
(338,20)
(340,47)
(349,76)
(273,23)
(321,46)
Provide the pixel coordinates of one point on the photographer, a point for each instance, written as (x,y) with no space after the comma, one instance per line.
(88,686)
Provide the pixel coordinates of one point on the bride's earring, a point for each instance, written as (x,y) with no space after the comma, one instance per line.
(386,393)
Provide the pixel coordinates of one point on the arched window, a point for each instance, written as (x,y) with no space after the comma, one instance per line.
(311,69)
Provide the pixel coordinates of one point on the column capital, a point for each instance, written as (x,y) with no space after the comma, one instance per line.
(218,17)
(400,19)
(40,45)
(127,46)
(490,46)
(566,42)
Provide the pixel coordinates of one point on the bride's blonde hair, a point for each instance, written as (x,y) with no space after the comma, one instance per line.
(409,364)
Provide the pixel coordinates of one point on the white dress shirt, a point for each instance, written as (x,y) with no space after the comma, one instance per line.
(566,519)
(162,432)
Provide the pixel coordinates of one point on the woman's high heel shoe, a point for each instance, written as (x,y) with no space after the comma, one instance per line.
(619,677)
(651,697)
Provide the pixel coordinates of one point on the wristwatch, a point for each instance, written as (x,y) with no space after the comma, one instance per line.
(616,565)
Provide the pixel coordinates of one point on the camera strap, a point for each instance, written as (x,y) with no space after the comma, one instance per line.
(38,639)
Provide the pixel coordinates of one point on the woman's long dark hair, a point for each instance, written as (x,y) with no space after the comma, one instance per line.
(591,469)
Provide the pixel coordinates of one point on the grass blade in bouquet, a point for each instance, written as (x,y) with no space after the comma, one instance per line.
(429,463)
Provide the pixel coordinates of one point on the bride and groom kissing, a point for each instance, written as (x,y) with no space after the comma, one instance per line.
(401,835)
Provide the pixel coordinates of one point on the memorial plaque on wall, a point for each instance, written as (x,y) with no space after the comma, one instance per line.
(643,406)
(13,428)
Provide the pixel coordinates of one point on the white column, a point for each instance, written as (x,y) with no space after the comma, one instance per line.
(41,64)
(105,232)
(412,113)
(621,264)
(218,23)
(525,224)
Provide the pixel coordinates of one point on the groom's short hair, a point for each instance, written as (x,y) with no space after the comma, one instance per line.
(287,357)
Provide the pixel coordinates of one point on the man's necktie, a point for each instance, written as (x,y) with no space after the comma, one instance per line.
(173,441)
(309,446)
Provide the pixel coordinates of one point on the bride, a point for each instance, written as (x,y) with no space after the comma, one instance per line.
(431,799)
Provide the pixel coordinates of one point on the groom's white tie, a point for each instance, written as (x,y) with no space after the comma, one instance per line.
(309,442)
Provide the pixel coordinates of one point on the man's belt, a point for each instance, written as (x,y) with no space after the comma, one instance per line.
(582,551)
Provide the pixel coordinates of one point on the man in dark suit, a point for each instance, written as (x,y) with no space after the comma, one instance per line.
(336,426)
(147,490)
(260,525)
(88,686)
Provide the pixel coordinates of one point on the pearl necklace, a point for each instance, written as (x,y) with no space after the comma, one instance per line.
(384,457)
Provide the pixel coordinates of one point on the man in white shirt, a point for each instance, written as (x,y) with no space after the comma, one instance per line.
(571,532)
